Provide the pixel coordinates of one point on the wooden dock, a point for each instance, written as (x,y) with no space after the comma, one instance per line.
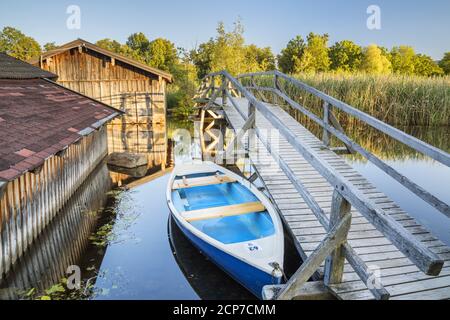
(315,188)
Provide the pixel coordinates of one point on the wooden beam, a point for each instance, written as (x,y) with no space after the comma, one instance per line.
(247,125)
(203,181)
(224,90)
(334,121)
(326,117)
(214,97)
(312,290)
(334,265)
(335,237)
(221,212)
(251,116)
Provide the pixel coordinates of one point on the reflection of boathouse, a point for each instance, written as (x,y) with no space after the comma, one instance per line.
(139,138)
(121,82)
(63,243)
(51,139)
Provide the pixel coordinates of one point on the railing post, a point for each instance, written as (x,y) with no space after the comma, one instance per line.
(334,265)
(251,131)
(326,120)
(276,87)
(213,85)
(224,91)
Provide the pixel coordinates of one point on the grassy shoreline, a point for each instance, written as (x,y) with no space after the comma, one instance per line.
(397,100)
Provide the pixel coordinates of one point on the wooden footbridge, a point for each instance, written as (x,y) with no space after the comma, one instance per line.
(355,242)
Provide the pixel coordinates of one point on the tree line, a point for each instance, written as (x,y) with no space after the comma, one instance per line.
(229,50)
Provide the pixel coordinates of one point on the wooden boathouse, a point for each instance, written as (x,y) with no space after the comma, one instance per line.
(51,139)
(133,87)
(356,243)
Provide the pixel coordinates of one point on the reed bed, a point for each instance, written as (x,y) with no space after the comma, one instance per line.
(397,100)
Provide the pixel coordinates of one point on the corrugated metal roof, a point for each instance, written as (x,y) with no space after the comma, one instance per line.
(39,118)
(93,47)
(12,68)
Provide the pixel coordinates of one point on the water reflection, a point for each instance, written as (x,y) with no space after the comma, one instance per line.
(143,138)
(148,265)
(147,257)
(63,243)
(431,175)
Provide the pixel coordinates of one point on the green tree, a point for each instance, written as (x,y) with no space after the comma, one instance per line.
(259,59)
(374,61)
(18,45)
(345,56)
(139,43)
(111,45)
(316,55)
(180,94)
(50,46)
(402,60)
(117,47)
(445,63)
(228,51)
(162,54)
(425,66)
(289,58)
(202,58)
(300,57)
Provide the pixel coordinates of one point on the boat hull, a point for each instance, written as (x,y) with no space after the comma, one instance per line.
(253,279)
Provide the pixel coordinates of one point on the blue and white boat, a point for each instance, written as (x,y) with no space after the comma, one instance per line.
(230,221)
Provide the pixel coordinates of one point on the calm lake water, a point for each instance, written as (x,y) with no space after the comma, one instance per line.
(117,227)
(429,174)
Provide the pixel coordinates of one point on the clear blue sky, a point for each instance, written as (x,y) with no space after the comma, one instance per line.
(423,24)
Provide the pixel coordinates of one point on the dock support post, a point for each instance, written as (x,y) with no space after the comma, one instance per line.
(334,264)
(335,237)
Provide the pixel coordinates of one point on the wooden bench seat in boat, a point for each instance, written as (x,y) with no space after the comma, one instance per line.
(202,181)
(221,212)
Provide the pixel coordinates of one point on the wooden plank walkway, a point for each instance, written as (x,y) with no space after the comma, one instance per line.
(398,274)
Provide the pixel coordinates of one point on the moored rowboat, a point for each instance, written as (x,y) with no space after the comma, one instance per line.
(230,221)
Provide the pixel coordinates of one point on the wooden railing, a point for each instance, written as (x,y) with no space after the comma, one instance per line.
(330,125)
(334,248)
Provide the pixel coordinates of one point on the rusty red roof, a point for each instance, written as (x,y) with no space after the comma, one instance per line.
(39,118)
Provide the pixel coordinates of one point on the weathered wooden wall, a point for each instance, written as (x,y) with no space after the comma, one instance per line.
(30,202)
(63,242)
(140,94)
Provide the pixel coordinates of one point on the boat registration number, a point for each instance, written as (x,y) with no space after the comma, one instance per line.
(252,247)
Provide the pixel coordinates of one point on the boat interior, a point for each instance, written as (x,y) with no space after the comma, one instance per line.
(221,207)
